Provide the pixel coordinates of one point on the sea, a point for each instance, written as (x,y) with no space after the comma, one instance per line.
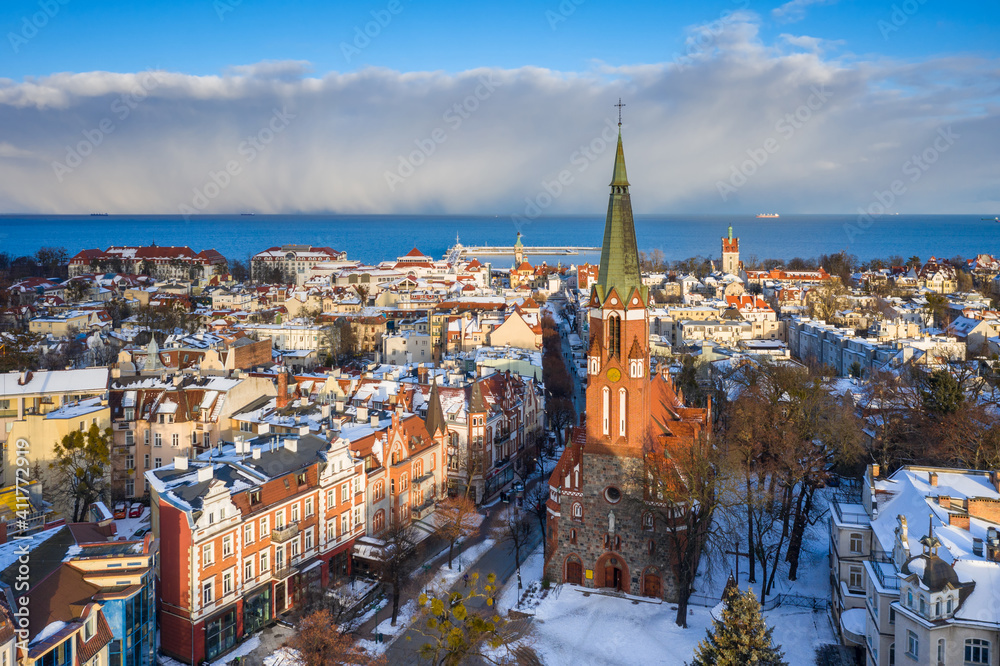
(374,238)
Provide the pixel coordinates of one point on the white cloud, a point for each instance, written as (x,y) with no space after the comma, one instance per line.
(795,10)
(167,135)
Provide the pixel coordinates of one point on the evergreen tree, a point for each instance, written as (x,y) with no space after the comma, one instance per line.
(740,637)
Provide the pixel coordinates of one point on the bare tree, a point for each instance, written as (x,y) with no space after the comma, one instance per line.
(399,538)
(458,519)
(514,530)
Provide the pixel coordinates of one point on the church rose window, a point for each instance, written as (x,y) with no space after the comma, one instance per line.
(612,494)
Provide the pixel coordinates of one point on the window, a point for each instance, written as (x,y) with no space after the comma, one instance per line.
(309,507)
(856,542)
(263,561)
(572,536)
(949,605)
(208,439)
(227,546)
(331,530)
(578,511)
(279,519)
(129,438)
(940,650)
(937,608)
(344,517)
(912,645)
(856,581)
(606,405)
(157,439)
(392,486)
(308,538)
(892,615)
(145,437)
(378,522)
(647,521)
(909,598)
(433,460)
(175,440)
(157,463)
(923,605)
(207,592)
(227,583)
(622,411)
(331,498)
(207,554)
(357,485)
(248,533)
(301,478)
(345,493)
(614,335)
(145,461)
(357,515)
(130,461)
(402,482)
(88,628)
(255,497)
(248,569)
(379,491)
(264,527)
(295,513)
(977,651)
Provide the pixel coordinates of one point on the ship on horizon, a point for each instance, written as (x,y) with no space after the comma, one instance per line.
(768,215)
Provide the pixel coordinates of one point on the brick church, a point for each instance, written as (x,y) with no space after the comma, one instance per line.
(596,535)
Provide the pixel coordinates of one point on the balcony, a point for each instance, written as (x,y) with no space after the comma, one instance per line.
(851,514)
(422,511)
(285,572)
(286,533)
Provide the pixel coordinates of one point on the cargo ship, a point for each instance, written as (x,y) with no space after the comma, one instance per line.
(768,215)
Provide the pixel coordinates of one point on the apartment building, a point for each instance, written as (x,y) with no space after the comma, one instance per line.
(914,565)
(247,532)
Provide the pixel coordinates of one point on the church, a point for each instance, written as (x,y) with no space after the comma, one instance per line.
(596,536)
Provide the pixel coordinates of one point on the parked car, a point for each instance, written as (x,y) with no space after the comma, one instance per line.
(121,511)
(136,510)
(140,533)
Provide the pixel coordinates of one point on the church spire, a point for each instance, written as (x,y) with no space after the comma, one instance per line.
(619,254)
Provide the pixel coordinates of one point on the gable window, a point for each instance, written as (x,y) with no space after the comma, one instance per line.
(301,478)
(255,497)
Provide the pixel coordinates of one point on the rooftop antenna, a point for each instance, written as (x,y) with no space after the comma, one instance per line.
(620,105)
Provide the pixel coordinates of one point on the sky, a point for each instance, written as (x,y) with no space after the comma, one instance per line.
(416,106)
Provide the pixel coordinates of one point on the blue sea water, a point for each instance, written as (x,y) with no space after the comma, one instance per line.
(373,238)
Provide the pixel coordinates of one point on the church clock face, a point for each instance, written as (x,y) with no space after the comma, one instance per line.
(614,374)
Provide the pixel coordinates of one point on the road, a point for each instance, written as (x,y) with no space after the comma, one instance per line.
(498,560)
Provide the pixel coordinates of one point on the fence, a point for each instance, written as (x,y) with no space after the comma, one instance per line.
(772,602)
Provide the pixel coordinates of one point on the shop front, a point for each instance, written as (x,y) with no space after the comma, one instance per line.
(257,610)
(220,634)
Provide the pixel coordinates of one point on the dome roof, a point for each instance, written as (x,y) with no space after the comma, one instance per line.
(935,573)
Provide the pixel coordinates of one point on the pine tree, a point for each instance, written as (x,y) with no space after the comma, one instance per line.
(740,637)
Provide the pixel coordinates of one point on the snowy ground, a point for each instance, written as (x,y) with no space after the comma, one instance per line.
(573,629)
(243,650)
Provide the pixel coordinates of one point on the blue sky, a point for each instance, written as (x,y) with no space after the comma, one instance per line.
(208,36)
(810,106)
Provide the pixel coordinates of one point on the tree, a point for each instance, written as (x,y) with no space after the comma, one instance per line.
(77,290)
(678,490)
(458,628)
(514,530)
(457,519)
(561,414)
(740,636)
(51,259)
(942,394)
(319,642)
(82,461)
(239,271)
(535,501)
(399,538)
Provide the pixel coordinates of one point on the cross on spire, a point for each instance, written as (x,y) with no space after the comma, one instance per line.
(619,105)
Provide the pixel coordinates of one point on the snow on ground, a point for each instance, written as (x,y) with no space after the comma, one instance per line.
(283,657)
(572,629)
(242,650)
(445,577)
(128,526)
(531,577)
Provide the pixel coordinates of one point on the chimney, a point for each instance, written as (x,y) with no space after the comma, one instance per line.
(324,411)
(362,414)
(995,480)
(238,443)
(291,444)
(205,473)
(932,477)
(282,389)
(944,501)
(263,428)
(256,453)
(303,429)
(180,462)
(374,420)
(875,471)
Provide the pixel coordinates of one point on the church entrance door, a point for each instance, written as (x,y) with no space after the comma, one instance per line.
(574,573)
(651,585)
(613,577)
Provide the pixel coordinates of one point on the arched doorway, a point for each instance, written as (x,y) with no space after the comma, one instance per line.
(612,572)
(652,584)
(574,570)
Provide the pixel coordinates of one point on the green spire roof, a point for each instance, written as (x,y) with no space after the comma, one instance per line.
(619,254)
(518,243)
(619,177)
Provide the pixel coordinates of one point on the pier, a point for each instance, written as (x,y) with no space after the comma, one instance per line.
(459,251)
